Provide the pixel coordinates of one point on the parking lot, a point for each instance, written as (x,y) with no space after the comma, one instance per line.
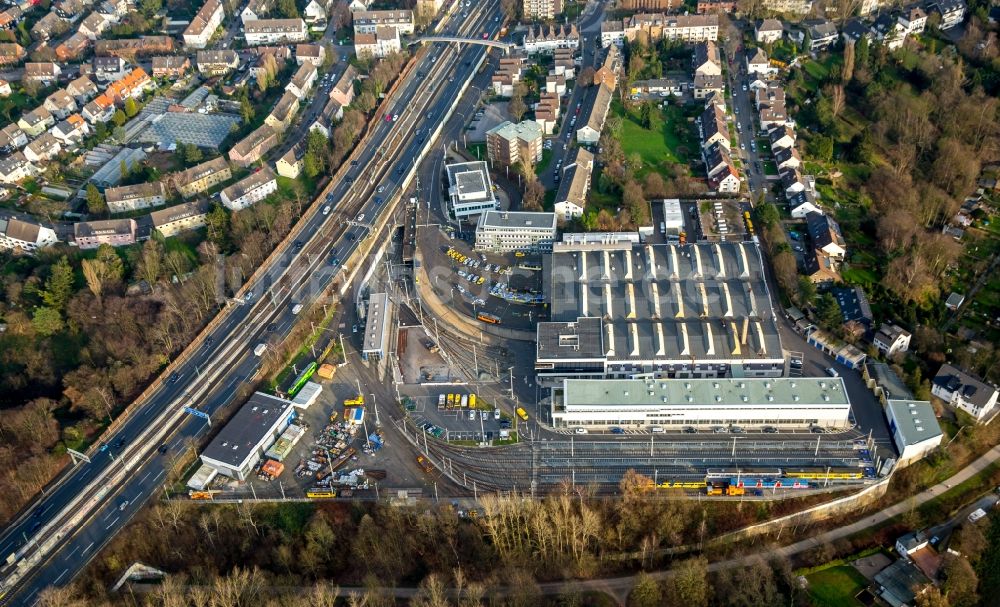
(458,415)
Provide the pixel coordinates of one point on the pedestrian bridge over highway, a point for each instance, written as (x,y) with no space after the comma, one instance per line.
(506,46)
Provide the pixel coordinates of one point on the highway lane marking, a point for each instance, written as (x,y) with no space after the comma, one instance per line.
(87,548)
(65,571)
(158,476)
(143,479)
(74,550)
(113,523)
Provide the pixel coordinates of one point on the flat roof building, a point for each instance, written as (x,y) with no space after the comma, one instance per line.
(377,326)
(619,309)
(914,429)
(749,403)
(237,449)
(505,231)
(470,189)
(508,144)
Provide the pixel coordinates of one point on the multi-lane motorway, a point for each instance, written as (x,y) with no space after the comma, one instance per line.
(58,536)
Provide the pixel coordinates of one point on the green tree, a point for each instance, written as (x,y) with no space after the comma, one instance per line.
(806,291)
(95,200)
(287,9)
(131,108)
(821,148)
(151,7)
(690,586)
(47,321)
(119,118)
(193,153)
(828,312)
(862,51)
(767,214)
(114,267)
(247,111)
(59,286)
(645,593)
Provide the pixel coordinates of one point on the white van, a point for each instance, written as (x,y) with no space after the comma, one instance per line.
(472,415)
(259,349)
(296,308)
(656,429)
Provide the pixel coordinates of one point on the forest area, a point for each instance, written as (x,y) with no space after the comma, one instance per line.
(86,331)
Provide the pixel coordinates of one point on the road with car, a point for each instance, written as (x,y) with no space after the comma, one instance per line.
(49,544)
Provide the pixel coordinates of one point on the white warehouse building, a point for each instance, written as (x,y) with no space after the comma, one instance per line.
(242,442)
(749,403)
(505,231)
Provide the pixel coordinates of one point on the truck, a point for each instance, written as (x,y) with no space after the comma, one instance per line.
(977,514)
(259,350)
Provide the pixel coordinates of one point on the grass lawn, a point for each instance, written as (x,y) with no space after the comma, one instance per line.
(658,145)
(836,586)
(859,276)
(544,163)
(770,168)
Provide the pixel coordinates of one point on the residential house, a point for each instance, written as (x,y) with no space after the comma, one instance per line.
(44,147)
(5,90)
(302,81)
(652,27)
(133,86)
(72,48)
(726,181)
(70,132)
(70,10)
(854,307)
(12,137)
(36,122)
(94,26)
(821,268)
(216,63)
(593,121)
(290,165)
(826,236)
(24,235)
(889,31)
(540,10)
(719,169)
(768,31)
(328,118)
(14,168)
(255,10)
(109,69)
(101,109)
(204,24)
(116,10)
(555,84)
(11,53)
(821,33)
(313,54)
(82,89)
(547,112)
(46,73)
(712,126)
(10,17)
(546,39)
(891,338)
(359,5)
(704,7)
(662,87)
(60,103)
(952,12)
(707,86)
(574,185)
(564,62)
(249,190)
(781,137)
(201,177)
(283,112)
(792,182)
(787,159)
(507,75)
(800,204)
(854,30)
(124,199)
(759,64)
(170,66)
(114,232)
(509,144)
(48,27)
(706,59)
(275,31)
(913,19)
(770,102)
(317,12)
(382,43)
(180,218)
(367,22)
(964,391)
(343,91)
(252,148)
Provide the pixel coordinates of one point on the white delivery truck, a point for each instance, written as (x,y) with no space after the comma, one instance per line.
(259,349)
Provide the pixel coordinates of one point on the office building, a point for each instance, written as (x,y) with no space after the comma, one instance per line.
(506,231)
(470,189)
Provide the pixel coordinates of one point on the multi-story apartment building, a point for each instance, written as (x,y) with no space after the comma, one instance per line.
(798,7)
(508,144)
(134,197)
(543,39)
(216,63)
(252,148)
(204,24)
(657,26)
(284,111)
(250,190)
(275,31)
(180,218)
(504,231)
(114,232)
(382,43)
(24,235)
(542,10)
(201,177)
(366,22)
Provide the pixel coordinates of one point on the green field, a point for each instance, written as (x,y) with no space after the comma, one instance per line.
(836,586)
(661,144)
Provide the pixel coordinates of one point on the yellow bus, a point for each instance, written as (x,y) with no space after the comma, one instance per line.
(451,401)
(320,493)
(472,401)
(522,414)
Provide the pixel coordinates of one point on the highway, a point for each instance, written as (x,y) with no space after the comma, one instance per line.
(92,502)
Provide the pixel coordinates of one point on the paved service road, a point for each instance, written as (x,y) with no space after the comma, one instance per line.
(211,377)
